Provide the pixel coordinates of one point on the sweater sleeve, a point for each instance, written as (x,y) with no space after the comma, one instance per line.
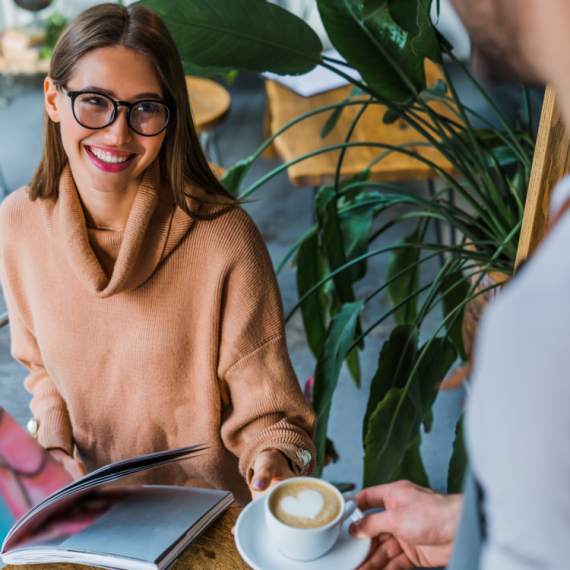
(263,405)
(47,404)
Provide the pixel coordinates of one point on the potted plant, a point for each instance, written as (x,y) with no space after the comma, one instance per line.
(387,41)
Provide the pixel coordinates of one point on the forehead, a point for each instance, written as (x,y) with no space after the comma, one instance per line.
(118,69)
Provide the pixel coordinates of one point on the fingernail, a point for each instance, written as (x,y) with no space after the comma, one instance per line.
(258,484)
(353,529)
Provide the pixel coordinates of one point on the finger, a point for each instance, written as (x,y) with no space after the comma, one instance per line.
(233,530)
(263,472)
(372,497)
(75,468)
(401,562)
(373,525)
(382,554)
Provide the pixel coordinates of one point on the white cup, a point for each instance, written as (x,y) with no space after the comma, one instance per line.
(307,543)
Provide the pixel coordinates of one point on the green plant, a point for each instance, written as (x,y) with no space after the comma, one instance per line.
(387,41)
(55,24)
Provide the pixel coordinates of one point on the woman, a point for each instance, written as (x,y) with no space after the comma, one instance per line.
(141,296)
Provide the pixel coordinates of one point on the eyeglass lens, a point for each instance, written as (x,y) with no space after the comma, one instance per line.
(96,111)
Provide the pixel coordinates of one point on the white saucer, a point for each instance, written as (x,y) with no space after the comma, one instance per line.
(256,548)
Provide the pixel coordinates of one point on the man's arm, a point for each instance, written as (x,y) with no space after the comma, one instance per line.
(518,417)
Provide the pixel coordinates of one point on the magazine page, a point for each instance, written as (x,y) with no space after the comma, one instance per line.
(34,520)
(28,473)
(31,479)
(132,527)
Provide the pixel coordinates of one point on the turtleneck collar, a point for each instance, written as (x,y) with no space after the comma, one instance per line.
(154,227)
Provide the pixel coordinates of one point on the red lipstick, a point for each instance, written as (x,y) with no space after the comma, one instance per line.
(110,167)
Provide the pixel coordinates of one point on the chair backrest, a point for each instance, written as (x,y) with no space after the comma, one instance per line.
(551,162)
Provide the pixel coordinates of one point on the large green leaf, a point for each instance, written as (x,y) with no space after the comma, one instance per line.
(233,177)
(412,466)
(314,308)
(355,224)
(352,362)
(379,48)
(240,34)
(370,7)
(394,426)
(329,223)
(197,70)
(458,462)
(437,358)
(414,16)
(406,284)
(454,292)
(340,334)
(395,363)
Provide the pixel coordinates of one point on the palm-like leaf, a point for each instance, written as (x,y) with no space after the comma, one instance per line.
(241,34)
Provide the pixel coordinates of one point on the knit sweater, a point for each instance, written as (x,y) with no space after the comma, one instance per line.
(169,333)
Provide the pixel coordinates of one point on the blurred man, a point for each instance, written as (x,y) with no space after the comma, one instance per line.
(516,514)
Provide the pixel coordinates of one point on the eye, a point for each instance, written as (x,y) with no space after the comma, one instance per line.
(147,107)
(96,101)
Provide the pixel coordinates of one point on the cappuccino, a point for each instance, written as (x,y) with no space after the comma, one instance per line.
(305,504)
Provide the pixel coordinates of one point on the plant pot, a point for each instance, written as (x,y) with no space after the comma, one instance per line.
(471,316)
(474,309)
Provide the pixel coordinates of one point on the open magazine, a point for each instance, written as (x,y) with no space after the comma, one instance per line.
(94,520)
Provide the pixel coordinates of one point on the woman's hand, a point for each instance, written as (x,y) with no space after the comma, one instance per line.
(73,466)
(269,468)
(416,529)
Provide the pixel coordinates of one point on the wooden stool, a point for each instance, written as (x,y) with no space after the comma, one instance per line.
(210,104)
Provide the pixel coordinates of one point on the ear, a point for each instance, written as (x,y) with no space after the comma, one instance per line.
(52,99)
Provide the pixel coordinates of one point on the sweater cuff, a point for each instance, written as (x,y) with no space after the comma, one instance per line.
(54,430)
(290,450)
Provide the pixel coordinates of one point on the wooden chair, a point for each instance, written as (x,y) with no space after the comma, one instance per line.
(210,104)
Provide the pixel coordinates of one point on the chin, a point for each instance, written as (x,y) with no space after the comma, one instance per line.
(499,68)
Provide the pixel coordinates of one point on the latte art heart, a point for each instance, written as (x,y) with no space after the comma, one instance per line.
(307,504)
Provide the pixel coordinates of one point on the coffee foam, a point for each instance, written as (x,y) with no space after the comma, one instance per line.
(305,504)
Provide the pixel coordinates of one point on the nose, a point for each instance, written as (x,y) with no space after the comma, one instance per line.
(118,132)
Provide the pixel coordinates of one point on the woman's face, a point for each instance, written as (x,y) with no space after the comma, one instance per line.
(126,76)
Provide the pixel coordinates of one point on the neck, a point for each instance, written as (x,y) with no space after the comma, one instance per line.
(108,210)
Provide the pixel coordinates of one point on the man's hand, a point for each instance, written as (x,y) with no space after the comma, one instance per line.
(74,467)
(415,530)
(269,468)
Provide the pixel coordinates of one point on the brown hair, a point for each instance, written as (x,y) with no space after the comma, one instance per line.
(182,160)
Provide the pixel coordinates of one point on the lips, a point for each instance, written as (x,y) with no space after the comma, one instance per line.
(109,167)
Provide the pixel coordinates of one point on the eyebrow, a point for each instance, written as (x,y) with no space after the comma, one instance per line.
(112,94)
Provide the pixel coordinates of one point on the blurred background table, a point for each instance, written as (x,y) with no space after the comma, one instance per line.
(215,549)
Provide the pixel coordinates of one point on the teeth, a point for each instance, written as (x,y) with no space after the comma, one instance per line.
(107,156)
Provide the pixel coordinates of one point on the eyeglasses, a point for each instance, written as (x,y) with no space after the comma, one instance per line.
(94,110)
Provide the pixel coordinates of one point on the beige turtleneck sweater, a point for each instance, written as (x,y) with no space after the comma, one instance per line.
(167,334)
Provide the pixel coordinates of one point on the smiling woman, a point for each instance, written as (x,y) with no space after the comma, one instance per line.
(141,296)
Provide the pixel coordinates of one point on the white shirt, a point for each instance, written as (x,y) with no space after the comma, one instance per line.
(518,417)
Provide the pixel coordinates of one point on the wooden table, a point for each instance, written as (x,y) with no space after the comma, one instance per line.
(214,549)
(283,105)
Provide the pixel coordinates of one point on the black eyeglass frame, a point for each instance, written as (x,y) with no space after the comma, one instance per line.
(116,104)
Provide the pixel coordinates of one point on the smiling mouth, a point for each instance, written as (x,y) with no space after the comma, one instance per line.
(107,157)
